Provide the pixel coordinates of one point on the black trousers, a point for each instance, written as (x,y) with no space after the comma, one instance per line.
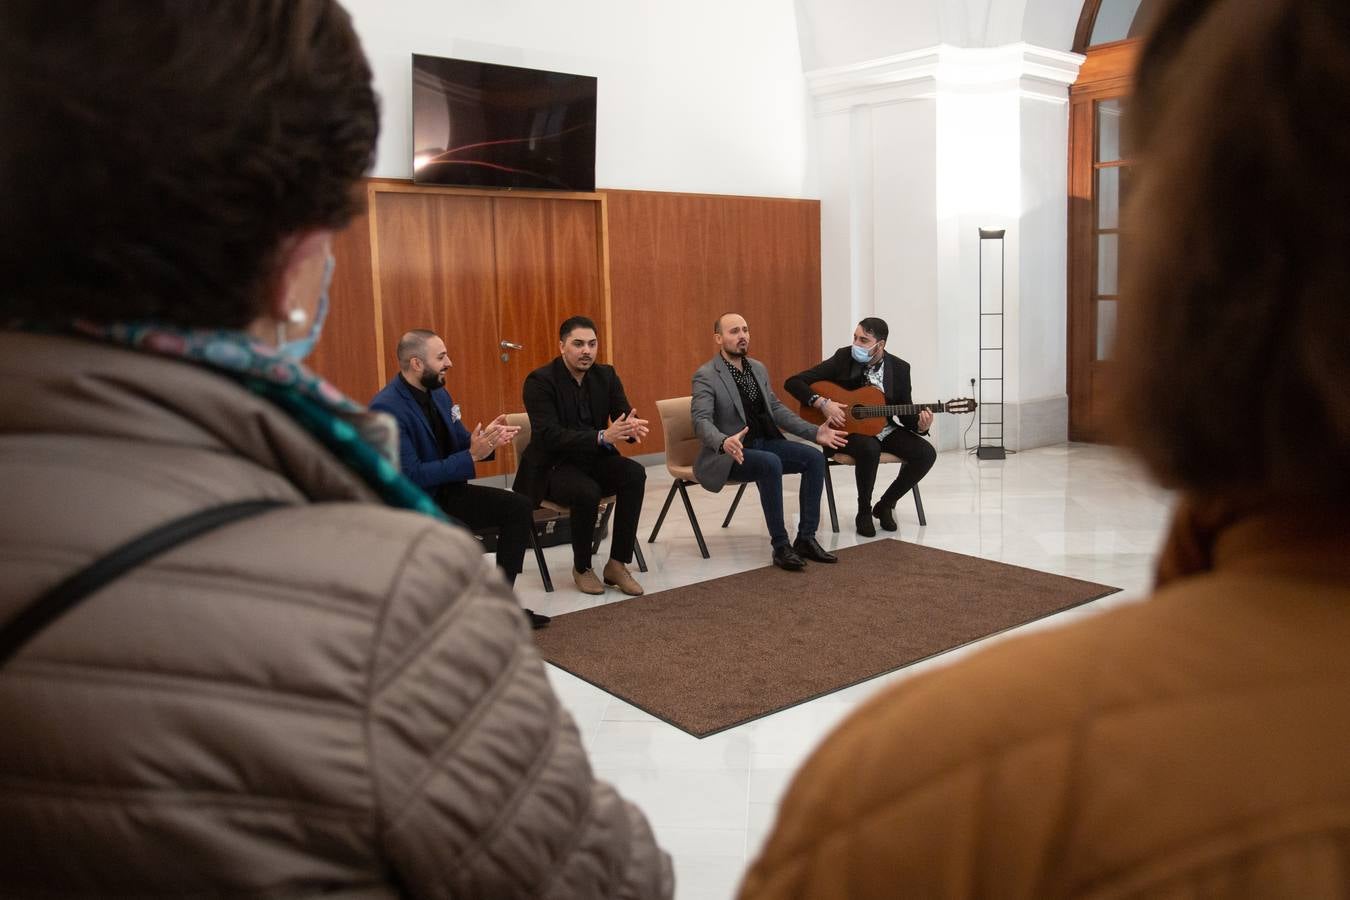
(580,488)
(917,454)
(480,507)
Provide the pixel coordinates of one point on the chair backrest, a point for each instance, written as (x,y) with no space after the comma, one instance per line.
(522,438)
(677,421)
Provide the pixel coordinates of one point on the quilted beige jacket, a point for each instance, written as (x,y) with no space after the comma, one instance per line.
(1196,745)
(335,697)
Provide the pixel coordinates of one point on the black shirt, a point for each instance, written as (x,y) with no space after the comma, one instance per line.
(438,426)
(580,394)
(757,416)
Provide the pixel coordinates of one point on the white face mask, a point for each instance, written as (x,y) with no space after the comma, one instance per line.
(302,347)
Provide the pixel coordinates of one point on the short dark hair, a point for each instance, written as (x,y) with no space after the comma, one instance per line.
(1233,332)
(159,153)
(877,328)
(413,344)
(570,325)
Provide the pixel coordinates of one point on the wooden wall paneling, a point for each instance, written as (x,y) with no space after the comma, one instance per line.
(547,269)
(437,272)
(344,353)
(677,261)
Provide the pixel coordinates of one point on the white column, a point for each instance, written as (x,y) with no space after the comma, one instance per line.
(919,151)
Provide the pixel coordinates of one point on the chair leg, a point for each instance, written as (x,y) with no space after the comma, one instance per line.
(734,503)
(539,558)
(600,527)
(637,554)
(829,495)
(693,519)
(675,486)
(918,504)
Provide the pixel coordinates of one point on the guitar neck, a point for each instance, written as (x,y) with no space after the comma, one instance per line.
(899,409)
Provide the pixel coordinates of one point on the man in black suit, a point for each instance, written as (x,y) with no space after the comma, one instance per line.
(578,413)
(867,362)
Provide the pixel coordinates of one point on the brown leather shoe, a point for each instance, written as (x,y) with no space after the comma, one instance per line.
(587,583)
(617,574)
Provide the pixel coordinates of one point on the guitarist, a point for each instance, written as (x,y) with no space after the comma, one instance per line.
(867,362)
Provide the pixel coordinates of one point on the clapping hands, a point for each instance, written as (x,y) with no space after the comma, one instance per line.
(483,441)
(625,427)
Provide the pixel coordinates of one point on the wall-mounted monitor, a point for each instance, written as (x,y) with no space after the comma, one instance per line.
(484,125)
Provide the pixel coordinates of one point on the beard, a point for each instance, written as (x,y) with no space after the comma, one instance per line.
(742,352)
(432,380)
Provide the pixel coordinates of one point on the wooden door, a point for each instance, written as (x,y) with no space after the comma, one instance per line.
(1099,168)
(548,268)
(436,270)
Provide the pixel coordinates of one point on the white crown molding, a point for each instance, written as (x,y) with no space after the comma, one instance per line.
(1035,72)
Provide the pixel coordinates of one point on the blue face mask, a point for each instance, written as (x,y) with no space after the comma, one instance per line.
(302,347)
(861,354)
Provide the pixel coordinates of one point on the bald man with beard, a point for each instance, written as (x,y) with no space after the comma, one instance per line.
(740,422)
(439,454)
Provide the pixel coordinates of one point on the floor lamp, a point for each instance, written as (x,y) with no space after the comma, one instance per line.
(991,384)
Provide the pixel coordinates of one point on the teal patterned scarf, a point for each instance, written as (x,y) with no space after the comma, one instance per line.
(365,442)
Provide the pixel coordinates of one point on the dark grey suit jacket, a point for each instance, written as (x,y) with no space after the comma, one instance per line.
(718,414)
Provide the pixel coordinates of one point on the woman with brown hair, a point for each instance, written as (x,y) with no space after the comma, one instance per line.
(274,669)
(1198,743)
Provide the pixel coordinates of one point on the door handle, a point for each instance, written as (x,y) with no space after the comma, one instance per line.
(507,345)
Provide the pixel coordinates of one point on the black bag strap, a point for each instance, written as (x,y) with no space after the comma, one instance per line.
(66,595)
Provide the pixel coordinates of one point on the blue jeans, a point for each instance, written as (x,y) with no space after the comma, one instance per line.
(766,461)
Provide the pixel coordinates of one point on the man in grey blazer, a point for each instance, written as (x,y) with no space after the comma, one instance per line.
(738,418)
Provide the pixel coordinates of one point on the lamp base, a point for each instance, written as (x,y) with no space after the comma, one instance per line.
(990,453)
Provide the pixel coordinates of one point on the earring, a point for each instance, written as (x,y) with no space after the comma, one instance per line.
(296,316)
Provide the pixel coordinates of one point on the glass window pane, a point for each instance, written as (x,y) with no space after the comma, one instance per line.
(1106,328)
(1109,143)
(1108,197)
(1115,21)
(1108,263)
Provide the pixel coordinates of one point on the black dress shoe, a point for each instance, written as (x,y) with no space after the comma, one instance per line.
(535,619)
(785,557)
(863,523)
(808,548)
(885,515)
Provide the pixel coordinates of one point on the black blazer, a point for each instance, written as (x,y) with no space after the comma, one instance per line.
(556,433)
(848,374)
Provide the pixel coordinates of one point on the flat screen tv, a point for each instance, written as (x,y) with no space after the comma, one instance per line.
(483,125)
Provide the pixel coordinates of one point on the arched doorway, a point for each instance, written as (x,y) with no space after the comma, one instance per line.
(1099,178)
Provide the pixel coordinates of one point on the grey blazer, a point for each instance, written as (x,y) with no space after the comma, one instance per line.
(718,414)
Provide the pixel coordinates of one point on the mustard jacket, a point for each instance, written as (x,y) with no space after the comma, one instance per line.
(1193,745)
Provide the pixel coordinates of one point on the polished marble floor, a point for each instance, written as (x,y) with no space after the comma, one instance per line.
(1073,509)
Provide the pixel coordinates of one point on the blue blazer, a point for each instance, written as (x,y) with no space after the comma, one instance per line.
(419,457)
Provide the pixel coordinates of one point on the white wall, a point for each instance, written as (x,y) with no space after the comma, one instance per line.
(698,96)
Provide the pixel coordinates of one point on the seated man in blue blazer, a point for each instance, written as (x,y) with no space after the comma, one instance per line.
(438,453)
